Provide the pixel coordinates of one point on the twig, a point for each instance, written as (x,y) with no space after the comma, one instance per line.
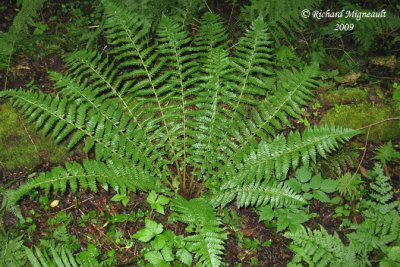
(379,122)
(30,137)
(365,151)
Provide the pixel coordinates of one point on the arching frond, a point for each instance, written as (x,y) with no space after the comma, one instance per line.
(89,175)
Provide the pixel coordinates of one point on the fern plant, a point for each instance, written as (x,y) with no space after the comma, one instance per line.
(183,115)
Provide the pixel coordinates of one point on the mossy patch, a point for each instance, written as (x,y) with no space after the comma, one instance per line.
(344,96)
(359,115)
(23,147)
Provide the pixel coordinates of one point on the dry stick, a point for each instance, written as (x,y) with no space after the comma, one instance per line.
(379,122)
(30,137)
(366,139)
(365,151)
(358,168)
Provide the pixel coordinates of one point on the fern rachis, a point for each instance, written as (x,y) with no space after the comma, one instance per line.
(181,114)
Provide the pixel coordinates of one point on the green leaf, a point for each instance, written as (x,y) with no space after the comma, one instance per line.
(321,196)
(266,213)
(184,256)
(329,185)
(295,185)
(151,229)
(316,182)
(167,253)
(157,202)
(151,199)
(159,242)
(121,197)
(283,223)
(155,258)
(387,153)
(303,174)
(308,196)
(305,187)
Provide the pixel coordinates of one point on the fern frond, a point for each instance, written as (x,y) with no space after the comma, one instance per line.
(382,190)
(210,35)
(207,240)
(115,173)
(320,248)
(56,257)
(283,17)
(141,64)
(376,231)
(294,89)
(273,160)
(381,219)
(11,251)
(254,194)
(252,63)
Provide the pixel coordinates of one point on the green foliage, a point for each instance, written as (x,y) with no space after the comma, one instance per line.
(313,186)
(151,11)
(166,248)
(386,153)
(11,251)
(177,114)
(381,224)
(18,31)
(151,230)
(349,185)
(283,17)
(53,255)
(206,237)
(290,217)
(157,202)
(378,230)
(339,161)
(366,31)
(115,173)
(318,247)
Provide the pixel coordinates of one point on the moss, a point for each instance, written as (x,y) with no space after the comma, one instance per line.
(21,146)
(359,115)
(344,96)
